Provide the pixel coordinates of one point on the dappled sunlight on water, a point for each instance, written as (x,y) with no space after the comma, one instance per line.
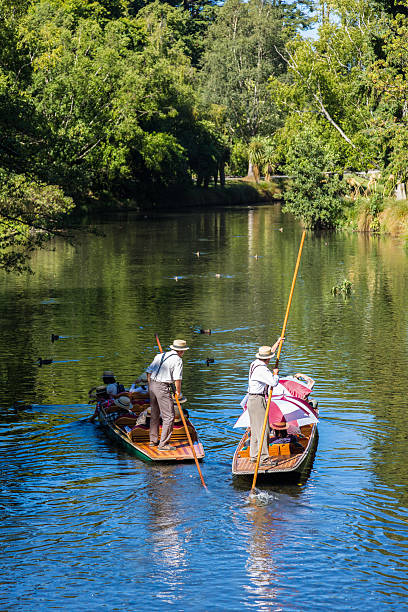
(86,525)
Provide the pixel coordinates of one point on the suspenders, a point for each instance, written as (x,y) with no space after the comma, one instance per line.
(163,359)
(251,371)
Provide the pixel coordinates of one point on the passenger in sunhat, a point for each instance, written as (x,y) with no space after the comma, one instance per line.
(259,380)
(97,394)
(118,407)
(113,388)
(165,371)
(111,405)
(280,429)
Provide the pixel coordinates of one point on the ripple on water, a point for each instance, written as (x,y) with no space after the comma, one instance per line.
(84,525)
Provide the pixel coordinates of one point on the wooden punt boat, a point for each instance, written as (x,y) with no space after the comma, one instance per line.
(292,464)
(136,442)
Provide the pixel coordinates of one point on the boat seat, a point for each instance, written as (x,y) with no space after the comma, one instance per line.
(140,433)
(126,420)
(179,433)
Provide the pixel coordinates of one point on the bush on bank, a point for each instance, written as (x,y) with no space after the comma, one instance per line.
(235,192)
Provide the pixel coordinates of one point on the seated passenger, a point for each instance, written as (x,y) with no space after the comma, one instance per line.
(140,385)
(118,407)
(97,394)
(113,388)
(280,430)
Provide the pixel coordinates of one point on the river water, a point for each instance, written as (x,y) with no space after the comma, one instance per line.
(86,526)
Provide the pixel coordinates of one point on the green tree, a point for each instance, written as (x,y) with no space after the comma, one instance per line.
(31,213)
(242,52)
(314,195)
(389,78)
(327,83)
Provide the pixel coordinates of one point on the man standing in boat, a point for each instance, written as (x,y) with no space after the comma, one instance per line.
(260,379)
(165,371)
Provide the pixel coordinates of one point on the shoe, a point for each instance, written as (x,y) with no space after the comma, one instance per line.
(166,447)
(153,443)
(266,462)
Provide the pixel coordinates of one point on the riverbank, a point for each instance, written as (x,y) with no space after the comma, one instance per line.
(235,192)
(376,215)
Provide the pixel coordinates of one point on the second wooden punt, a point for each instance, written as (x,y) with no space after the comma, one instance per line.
(136,441)
(294,463)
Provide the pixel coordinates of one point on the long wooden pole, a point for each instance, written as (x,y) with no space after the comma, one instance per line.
(183,418)
(277,359)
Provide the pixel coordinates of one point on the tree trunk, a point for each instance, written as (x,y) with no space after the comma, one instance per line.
(253,172)
(222,174)
(400,191)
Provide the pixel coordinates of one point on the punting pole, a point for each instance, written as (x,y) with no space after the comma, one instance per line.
(277,358)
(183,418)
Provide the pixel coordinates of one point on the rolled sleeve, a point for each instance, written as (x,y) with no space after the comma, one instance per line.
(154,366)
(265,376)
(178,369)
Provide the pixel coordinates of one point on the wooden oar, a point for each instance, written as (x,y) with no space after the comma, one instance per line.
(158,343)
(183,418)
(277,360)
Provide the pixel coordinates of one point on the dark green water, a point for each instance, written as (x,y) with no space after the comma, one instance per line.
(86,525)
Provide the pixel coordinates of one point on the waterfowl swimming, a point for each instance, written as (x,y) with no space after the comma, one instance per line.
(54,337)
(41,361)
(209,360)
(205,331)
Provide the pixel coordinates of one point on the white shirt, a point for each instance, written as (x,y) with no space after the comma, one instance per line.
(260,377)
(166,367)
(138,389)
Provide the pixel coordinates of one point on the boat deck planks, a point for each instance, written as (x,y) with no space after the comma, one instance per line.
(242,466)
(183,452)
(141,448)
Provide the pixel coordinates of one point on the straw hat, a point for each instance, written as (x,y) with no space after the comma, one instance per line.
(264,352)
(181,398)
(108,374)
(179,345)
(123,402)
(280,426)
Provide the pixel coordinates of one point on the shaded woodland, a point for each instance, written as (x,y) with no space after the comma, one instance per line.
(123,99)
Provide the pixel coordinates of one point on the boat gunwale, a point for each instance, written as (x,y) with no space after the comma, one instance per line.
(117,435)
(277,469)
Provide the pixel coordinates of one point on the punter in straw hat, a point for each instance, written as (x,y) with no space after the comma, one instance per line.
(259,380)
(165,370)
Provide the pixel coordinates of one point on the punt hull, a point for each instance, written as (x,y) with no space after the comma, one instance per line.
(142,450)
(284,466)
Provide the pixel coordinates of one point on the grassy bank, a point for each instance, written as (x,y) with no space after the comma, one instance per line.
(236,191)
(378,216)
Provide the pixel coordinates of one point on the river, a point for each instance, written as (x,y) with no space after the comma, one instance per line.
(86,526)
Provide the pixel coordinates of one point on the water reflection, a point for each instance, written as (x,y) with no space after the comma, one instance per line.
(99,527)
(264,544)
(168,548)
